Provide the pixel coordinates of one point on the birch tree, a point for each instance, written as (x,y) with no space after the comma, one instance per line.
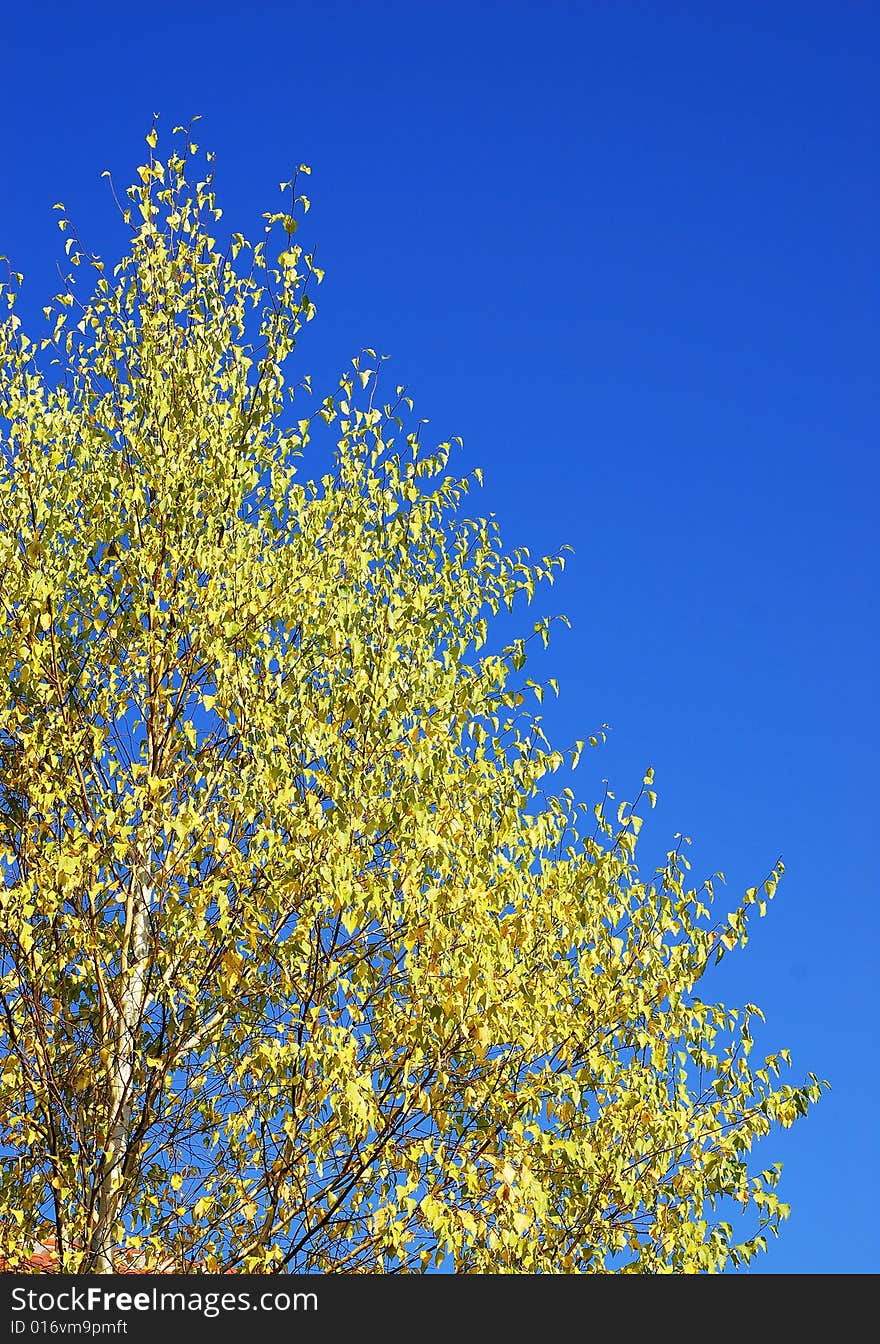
(305,965)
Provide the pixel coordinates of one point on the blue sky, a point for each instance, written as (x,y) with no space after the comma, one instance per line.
(628,252)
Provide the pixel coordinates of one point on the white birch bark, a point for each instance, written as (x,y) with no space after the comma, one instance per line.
(127,1058)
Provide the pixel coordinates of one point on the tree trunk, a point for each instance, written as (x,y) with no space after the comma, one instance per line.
(127,1052)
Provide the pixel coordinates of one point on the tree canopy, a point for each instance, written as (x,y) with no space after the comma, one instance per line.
(305,967)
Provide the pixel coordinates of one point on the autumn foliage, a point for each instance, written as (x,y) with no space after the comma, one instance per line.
(304,964)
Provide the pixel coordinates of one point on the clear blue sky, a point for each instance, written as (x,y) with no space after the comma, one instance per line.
(628,252)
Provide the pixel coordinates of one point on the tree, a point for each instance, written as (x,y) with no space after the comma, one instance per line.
(302,968)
